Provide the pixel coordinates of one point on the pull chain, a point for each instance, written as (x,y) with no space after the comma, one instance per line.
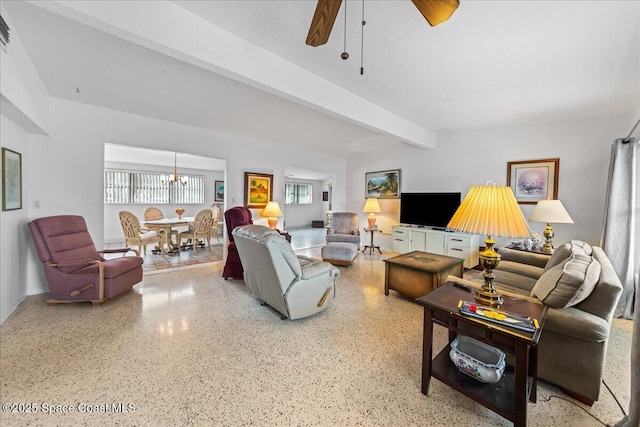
(345,54)
(362,41)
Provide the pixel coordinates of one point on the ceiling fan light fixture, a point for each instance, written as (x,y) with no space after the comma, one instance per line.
(436,11)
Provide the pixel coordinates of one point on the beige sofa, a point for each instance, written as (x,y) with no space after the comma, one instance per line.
(581,288)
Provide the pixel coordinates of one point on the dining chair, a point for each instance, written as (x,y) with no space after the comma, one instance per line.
(216,210)
(201,229)
(152,213)
(134,236)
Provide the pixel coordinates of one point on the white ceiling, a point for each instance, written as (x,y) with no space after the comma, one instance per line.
(494,63)
(145,156)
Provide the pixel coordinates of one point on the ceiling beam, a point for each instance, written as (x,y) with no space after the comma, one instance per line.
(169,29)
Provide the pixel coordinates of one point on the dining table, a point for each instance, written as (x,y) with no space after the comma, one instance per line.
(167,224)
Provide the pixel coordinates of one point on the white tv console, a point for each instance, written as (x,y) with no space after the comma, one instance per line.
(459,245)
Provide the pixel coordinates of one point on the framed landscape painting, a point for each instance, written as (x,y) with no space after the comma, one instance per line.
(219,191)
(11,180)
(383,184)
(258,189)
(533,180)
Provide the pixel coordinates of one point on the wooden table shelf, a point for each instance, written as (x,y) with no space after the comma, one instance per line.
(509,396)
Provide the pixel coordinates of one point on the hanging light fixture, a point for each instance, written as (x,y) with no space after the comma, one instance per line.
(175,178)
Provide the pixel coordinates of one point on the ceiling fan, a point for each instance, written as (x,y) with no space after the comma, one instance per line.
(434,11)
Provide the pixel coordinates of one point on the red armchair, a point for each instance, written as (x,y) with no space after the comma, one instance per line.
(74,268)
(233,218)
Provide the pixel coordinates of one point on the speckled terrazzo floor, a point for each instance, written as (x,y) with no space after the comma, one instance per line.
(188,348)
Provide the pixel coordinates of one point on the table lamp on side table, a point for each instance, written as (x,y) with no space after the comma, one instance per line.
(272,212)
(494,211)
(372,207)
(550,211)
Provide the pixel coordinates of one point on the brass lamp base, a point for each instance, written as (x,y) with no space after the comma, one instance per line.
(489,260)
(491,298)
(548,233)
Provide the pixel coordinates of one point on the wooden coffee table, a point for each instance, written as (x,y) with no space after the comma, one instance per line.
(508,397)
(417,273)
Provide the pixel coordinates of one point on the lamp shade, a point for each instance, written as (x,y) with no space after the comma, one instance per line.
(490,210)
(550,211)
(272,210)
(372,206)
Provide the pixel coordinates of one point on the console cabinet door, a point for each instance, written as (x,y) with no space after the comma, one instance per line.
(418,240)
(435,243)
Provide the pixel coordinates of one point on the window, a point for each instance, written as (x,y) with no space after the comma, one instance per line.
(123,187)
(298,194)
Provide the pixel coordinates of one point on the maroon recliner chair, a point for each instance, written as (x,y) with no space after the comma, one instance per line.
(233,218)
(74,268)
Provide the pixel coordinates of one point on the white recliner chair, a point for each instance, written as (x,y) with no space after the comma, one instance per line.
(295,285)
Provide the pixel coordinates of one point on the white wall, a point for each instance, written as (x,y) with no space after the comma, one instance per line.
(463,159)
(25,99)
(13,228)
(24,113)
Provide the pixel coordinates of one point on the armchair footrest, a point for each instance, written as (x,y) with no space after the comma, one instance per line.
(339,253)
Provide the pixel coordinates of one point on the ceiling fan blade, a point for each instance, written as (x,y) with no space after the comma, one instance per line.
(322,22)
(436,11)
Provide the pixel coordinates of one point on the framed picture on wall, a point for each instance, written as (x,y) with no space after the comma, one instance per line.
(11,180)
(219,191)
(533,180)
(258,189)
(383,184)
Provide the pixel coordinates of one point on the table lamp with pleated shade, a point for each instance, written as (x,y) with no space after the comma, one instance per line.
(492,211)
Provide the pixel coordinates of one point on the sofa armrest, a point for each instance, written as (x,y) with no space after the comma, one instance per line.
(523,257)
(573,322)
(119,251)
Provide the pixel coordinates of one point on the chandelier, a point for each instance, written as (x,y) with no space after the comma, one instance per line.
(169,179)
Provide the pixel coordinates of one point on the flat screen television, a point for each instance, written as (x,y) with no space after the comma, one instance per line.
(428,209)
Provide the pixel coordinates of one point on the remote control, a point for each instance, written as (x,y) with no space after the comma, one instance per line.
(462,286)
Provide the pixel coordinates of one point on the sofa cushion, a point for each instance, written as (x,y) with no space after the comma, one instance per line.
(565,250)
(527,270)
(569,282)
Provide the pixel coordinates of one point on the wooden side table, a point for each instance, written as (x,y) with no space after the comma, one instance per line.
(508,397)
(371,246)
(532,250)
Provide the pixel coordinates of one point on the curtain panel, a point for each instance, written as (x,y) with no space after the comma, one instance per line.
(618,235)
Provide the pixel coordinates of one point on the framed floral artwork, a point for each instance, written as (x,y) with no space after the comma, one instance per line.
(382,184)
(258,189)
(533,180)
(11,180)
